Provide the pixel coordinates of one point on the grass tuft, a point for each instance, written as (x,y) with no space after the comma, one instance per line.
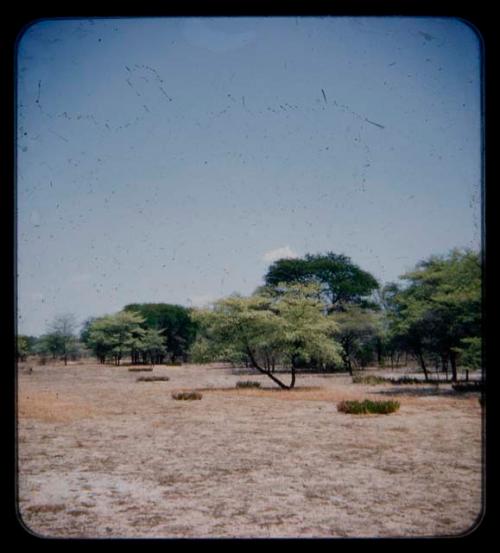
(368,379)
(247,384)
(354,407)
(471,386)
(187,395)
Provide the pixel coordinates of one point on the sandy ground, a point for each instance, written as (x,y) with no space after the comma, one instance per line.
(102,455)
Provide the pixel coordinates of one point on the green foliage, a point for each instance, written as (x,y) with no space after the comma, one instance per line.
(470,351)
(438,312)
(247,384)
(116,335)
(268,326)
(25,346)
(357,330)
(368,406)
(186,396)
(173,322)
(341,281)
(61,340)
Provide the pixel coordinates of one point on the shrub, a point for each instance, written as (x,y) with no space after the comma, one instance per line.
(368,379)
(471,386)
(140,369)
(372,379)
(366,406)
(247,384)
(187,395)
(152,379)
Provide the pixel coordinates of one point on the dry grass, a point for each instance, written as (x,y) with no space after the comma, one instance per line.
(49,407)
(100,456)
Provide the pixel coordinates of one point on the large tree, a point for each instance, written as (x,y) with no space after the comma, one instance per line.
(173,322)
(341,281)
(438,311)
(115,335)
(283,327)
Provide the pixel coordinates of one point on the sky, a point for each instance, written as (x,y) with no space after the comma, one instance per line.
(174,159)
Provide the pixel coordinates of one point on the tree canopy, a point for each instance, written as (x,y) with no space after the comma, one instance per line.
(173,322)
(269,329)
(438,312)
(341,281)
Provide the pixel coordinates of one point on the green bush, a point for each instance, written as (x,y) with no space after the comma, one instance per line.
(366,406)
(152,379)
(247,384)
(187,395)
(368,379)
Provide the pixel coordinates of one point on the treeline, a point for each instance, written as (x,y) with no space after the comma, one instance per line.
(144,333)
(319,312)
(325,313)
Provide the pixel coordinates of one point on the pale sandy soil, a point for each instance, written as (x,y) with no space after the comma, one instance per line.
(101,455)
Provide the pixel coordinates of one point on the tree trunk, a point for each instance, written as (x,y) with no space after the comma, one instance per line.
(422,364)
(268,373)
(453,363)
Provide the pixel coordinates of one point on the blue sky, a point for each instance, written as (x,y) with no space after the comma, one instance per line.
(173,159)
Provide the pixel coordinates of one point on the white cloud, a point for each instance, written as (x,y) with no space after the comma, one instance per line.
(201,301)
(279,253)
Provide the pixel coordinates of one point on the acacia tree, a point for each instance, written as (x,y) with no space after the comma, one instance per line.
(341,281)
(285,326)
(174,324)
(439,310)
(357,329)
(115,335)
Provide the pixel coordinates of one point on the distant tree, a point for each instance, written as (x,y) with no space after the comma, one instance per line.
(341,281)
(24,346)
(63,330)
(173,322)
(115,335)
(357,331)
(48,345)
(151,346)
(283,327)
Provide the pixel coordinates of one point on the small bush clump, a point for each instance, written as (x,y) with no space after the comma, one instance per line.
(354,407)
(471,386)
(152,379)
(140,369)
(368,379)
(187,395)
(247,384)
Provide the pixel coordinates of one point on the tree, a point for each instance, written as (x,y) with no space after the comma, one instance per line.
(173,322)
(357,330)
(267,326)
(151,346)
(24,346)
(438,312)
(61,340)
(115,335)
(341,281)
